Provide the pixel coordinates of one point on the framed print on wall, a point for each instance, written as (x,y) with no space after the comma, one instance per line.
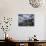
(25,19)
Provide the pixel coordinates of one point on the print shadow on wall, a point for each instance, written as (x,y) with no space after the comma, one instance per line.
(25,19)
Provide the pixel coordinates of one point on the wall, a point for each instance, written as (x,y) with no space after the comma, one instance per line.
(11,8)
(45,28)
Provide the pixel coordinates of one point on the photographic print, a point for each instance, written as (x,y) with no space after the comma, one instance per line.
(25,19)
